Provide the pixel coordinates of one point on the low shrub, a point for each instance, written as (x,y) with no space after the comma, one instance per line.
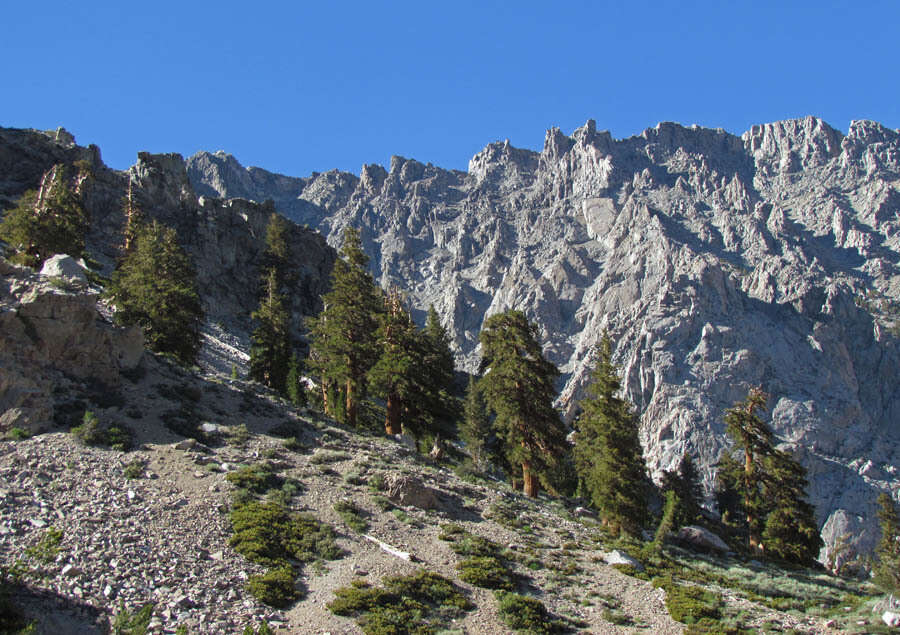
(351,515)
(275,587)
(523,613)
(689,604)
(133,470)
(92,432)
(487,572)
(127,623)
(255,478)
(16,434)
(419,604)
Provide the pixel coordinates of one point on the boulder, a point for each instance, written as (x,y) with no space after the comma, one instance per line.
(409,491)
(616,556)
(702,539)
(65,267)
(891,618)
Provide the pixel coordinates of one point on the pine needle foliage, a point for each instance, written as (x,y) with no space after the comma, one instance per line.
(518,386)
(887,567)
(765,488)
(155,288)
(270,343)
(344,345)
(475,430)
(609,458)
(51,220)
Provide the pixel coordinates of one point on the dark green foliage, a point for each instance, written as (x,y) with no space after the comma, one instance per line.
(887,567)
(667,522)
(518,386)
(420,604)
(763,493)
(52,220)
(254,478)
(476,428)
(689,604)
(487,572)
(435,404)
(343,337)
(133,470)
(296,390)
(790,532)
(270,343)
(92,432)
(268,534)
(528,614)
(128,623)
(264,629)
(351,515)
(684,484)
(155,288)
(275,587)
(608,454)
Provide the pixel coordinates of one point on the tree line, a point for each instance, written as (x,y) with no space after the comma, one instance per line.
(365,344)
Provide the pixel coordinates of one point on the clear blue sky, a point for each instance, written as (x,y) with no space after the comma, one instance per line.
(301,86)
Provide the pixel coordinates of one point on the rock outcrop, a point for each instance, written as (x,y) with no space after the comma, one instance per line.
(51,337)
(717,263)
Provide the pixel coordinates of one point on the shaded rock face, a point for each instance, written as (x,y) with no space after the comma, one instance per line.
(50,337)
(717,263)
(224,238)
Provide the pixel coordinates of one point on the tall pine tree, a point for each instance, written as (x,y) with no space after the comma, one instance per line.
(344,345)
(155,288)
(394,375)
(768,488)
(518,386)
(609,459)
(271,347)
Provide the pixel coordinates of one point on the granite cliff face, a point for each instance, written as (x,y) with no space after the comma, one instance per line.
(716,262)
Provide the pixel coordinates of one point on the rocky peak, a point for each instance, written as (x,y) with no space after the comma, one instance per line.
(793,145)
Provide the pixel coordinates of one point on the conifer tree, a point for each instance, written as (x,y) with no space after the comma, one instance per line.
(277,254)
(296,390)
(684,484)
(51,220)
(344,345)
(609,457)
(394,375)
(755,440)
(270,344)
(434,404)
(476,425)
(769,486)
(518,386)
(790,532)
(887,567)
(155,288)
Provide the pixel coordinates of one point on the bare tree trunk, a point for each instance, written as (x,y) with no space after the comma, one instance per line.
(529,484)
(392,417)
(351,404)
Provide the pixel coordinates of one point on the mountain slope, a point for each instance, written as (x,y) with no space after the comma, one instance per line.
(716,262)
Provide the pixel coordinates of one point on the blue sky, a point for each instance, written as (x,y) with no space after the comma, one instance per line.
(297,87)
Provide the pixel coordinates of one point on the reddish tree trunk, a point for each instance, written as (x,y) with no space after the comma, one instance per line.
(392,418)
(351,404)
(529,483)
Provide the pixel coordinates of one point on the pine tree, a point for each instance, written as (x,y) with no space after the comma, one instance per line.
(434,404)
(684,484)
(790,532)
(295,388)
(887,567)
(394,375)
(768,488)
(344,345)
(476,425)
(609,458)
(518,386)
(155,288)
(277,254)
(52,220)
(754,438)
(270,344)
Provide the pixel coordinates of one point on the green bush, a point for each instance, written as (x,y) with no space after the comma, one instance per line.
(274,587)
(523,613)
(689,604)
(92,432)
(351,515)
(133,470)
(421,603)
(267,534)
(486,572)
(255,478)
